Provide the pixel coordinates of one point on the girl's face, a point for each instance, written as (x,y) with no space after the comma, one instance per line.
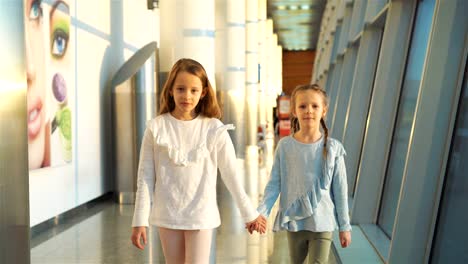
(186,91)
(36,93)
(309,109)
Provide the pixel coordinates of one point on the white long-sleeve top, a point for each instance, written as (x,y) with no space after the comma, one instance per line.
(178,170)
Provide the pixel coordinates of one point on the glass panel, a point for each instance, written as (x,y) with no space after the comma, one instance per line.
(451,232)
(405,116)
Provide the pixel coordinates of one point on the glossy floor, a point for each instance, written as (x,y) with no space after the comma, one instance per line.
(101,232)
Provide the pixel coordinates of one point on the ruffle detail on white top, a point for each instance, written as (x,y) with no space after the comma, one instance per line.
(181,158)
(215,132)
(223,128)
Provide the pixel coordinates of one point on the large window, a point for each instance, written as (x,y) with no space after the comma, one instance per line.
(405,115)
(449,245)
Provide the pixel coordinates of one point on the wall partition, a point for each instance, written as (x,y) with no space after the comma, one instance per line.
(430,140)
(342,98)
(368,42)
(397,19)
(335,74)
(405,125)
(406,114)
(102,35)
(14,186)
(449,241)
(341,92)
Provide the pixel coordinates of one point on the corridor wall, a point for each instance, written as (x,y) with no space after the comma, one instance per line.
(14,202)
(400,112)
(104,35)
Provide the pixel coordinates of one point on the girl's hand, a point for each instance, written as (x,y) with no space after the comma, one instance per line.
(345,238)
(138,234)
(259,225)
(251,226)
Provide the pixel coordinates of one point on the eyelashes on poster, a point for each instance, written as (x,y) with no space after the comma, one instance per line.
(50,74)
(59,29)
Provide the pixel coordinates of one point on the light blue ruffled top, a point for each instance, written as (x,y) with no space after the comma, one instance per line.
(313,193)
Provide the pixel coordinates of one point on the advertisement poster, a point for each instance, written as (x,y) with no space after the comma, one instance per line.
(50,56)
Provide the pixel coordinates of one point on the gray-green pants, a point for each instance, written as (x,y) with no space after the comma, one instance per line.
(316,244)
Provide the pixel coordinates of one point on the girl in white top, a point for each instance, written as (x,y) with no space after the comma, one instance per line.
(181,151)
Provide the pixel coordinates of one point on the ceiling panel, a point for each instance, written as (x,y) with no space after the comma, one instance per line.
(297,23)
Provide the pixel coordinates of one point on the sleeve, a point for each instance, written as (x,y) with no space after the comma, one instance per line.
(227,160)
(339,194)
(273,187)
(145,181)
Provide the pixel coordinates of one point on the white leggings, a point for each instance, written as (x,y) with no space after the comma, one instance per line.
(186,246)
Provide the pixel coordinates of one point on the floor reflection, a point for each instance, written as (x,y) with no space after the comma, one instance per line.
(102,234)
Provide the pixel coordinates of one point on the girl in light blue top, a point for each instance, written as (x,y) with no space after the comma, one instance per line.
(309,172)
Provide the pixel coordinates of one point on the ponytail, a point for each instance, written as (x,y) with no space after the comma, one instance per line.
(294,124)
(325,139)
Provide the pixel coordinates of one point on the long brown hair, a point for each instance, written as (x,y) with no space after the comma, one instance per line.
(207,106)
(295,123)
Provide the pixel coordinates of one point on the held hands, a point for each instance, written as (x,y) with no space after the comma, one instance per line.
(139,234)
(345,238)
(259,225)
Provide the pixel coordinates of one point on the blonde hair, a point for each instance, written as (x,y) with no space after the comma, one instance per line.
(207,106)
(295,122)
